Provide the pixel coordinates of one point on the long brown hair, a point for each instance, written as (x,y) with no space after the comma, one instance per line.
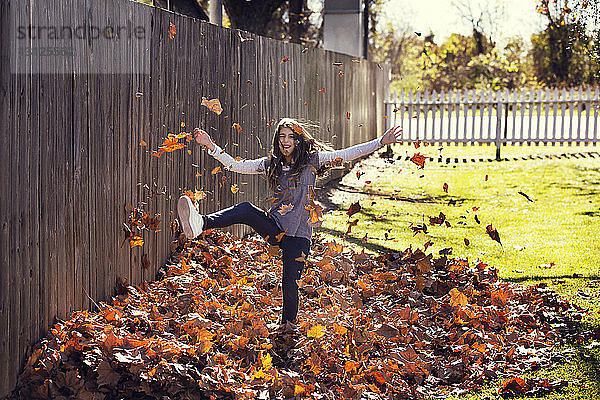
(306,145)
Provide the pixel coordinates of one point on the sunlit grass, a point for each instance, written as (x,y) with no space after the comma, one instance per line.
(554,238)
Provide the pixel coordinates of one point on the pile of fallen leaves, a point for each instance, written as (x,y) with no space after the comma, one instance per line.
(392,326)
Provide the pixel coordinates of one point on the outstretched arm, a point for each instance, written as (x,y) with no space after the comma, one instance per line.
(392,135)
(256,166)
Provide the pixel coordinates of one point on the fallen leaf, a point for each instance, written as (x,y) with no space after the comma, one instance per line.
(493,233)
(439,220)
(316,331)
(457,299)
(418,228)
(515,385)
(354,208)
(350,225)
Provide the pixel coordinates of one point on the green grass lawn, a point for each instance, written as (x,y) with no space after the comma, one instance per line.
(553,238)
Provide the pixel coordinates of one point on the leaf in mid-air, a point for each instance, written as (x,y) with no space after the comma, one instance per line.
(213,105)
(136,241)
(418,159)
(285,208)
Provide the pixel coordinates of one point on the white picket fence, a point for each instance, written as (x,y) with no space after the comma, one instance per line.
(521,116)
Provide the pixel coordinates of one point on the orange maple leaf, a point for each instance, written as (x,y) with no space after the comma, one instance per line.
(418,159)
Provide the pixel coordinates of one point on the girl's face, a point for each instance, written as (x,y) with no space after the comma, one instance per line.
(287,141)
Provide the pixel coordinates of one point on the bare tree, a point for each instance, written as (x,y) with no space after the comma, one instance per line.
(483,16)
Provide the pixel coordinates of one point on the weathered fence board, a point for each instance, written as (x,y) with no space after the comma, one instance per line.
(71,127)
(5,182)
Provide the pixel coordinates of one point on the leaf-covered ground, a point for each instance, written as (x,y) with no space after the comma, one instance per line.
(399,325)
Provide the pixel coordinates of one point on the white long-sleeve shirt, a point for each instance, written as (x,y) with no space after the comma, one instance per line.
(258,165)
(295,190)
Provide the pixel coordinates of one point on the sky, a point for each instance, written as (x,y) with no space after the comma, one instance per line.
(516,17)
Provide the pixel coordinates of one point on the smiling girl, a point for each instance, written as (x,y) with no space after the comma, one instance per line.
(291,169)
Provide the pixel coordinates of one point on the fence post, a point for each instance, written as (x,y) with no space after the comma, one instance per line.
(498,126)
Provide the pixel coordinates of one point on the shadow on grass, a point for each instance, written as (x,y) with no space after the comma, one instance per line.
(581,189)
(326,191)
(370,246)
(590,213)
(589,360)
(545,278)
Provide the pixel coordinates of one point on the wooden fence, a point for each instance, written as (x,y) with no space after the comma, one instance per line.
(71,160)
(499,117)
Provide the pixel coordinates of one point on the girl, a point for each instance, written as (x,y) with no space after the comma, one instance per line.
(291,169)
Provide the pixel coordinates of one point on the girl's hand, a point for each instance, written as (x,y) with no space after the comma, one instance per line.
(204,139)
(392,135)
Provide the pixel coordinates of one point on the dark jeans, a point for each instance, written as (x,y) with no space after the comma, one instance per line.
(292,246)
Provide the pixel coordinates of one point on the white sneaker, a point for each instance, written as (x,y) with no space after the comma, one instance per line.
(191,220)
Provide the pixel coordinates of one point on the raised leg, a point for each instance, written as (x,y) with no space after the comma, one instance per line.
(244,213)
